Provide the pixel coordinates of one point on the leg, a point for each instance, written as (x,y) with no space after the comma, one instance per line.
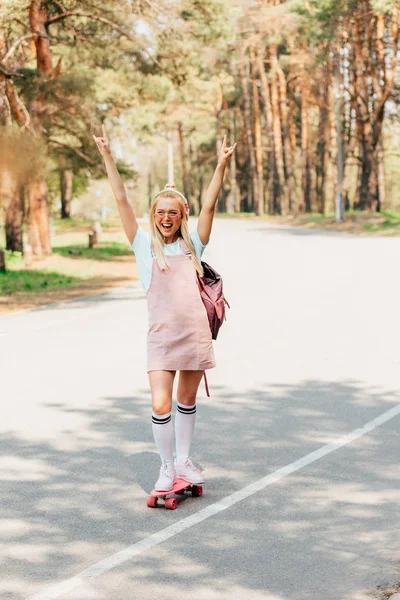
(184,424)
(188,385)
(161,383)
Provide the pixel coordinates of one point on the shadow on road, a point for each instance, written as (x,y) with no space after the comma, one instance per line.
(63,510)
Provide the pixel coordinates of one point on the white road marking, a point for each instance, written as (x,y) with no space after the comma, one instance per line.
(155,539)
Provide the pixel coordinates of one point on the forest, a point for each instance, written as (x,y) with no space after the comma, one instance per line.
(309,89)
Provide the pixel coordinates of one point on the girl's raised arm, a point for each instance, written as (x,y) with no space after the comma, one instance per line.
(125,210)
(207,212)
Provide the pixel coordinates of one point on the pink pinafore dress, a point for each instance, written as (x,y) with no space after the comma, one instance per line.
(179,336)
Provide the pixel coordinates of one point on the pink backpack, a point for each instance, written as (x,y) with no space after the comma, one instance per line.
(211,292)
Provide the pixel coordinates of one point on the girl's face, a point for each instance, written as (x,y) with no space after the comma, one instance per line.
(168,218)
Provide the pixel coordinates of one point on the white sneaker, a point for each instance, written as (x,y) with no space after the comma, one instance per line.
(167,477)
(187,471)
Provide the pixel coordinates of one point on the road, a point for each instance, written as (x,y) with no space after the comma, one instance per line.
(299,441)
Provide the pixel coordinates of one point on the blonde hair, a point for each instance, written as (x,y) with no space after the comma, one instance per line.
(157,239)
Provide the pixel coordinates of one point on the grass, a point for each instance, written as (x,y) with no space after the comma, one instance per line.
(104,251)
(72,270)
(25,280)
(390,223)
(14,260)
(395,216)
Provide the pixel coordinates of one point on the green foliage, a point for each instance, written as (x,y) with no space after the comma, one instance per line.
(12,282)
(382,6)
(206,20)
(11,10)
(141,67)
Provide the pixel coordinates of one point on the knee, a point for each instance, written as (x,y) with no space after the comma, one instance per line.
(187,398)
(161,405)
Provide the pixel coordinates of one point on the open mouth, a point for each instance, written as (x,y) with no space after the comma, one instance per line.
(166,227)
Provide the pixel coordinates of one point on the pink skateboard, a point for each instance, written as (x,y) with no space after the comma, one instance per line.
(180,487)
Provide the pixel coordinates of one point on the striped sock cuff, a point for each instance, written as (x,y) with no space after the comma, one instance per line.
(161,419)
(186,410)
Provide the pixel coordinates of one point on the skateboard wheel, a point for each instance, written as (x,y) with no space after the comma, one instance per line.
(171,503)
(152,501)
(197,491)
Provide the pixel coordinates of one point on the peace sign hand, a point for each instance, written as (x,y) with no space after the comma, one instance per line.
(226,153)
(102,143)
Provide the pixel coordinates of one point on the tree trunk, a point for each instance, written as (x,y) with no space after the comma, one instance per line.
(277,130)
(9,201)
(183,161)
(292,121)
(14,220)
(5,108)
(193,198)
(290,201)
(217,112)
(244,185)
(305,204)
(66,178)
(353,136)
(359,177)
(339,205)
(10,198)
(381,176)
(322,162)
(2,261)
(232,201)
(38,18)
(365,199)
(368,189)
(200,193)
(93,239)
(218,140)
(374,182)
(269,130)
(38,224)
(38,218)
(257,135)
(247,121)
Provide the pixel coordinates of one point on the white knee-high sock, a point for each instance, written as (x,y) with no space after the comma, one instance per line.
(163,432)
(185,419)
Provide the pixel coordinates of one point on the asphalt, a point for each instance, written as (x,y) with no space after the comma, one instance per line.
(309,353)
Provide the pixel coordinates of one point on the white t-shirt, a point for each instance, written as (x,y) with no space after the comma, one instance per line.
(144,258)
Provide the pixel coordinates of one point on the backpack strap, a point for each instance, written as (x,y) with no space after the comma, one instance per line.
(184,247)
(206,384)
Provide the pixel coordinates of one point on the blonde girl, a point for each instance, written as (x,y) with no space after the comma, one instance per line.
(179,337)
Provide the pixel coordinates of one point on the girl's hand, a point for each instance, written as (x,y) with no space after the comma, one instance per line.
(102,143)
(226,153)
